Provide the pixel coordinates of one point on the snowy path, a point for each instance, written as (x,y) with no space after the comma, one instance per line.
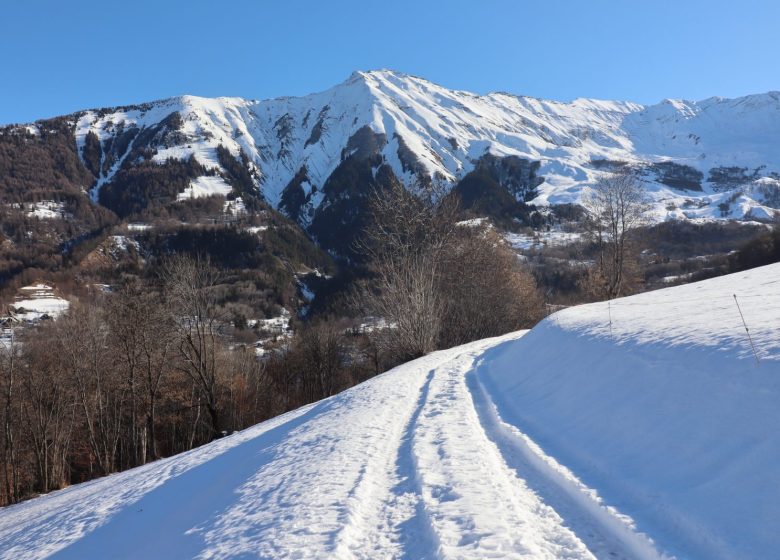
(415,464)
(490,493)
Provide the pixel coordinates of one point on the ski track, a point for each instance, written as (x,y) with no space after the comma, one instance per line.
(416,464)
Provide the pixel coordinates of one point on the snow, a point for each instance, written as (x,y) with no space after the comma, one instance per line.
(474,223)
(675,278)
(447,131)
(666,411)
(653,437)
(306,292)
(120,245)
(43,210)
(338,479)
(234,207)
(36,301)
(277,325)
(373,324)
(205,186)
(46,210)
(138,226)
(537,239)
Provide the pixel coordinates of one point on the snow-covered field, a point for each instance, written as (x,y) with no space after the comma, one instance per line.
(205,186)
(650,435)
(46,210)
(42,210)
(539,239)
(37,301)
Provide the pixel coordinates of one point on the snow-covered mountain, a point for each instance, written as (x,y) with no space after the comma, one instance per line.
(654,435)
(712,158)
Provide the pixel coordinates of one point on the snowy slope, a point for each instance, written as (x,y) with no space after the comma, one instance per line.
(668,414)
(655,439)
(445,132)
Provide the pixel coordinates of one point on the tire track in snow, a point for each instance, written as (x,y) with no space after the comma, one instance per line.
(409,465)
(605,532)
(405,512)
(385,516)
(476,504)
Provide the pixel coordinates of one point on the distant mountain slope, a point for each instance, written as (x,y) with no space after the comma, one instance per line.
(690,151)
(651,436)
(318,158)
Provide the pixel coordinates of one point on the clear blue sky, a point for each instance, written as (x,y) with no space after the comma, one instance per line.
(59,56)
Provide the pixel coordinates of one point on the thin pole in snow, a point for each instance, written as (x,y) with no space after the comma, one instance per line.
(747,330)
(609,308)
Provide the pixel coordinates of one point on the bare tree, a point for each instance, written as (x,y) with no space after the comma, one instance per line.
(322,352)
(436,282)
(248,397)
(616,205)
(190,285)
(489,293)
(310,366)
(83,350)
(142,332)
(8,367)
(48,411)
(405,246)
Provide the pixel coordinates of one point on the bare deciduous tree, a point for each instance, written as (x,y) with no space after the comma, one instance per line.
(488,292)
(48,412)
(82,344)
(405,246)
(321,351)
(142,332)
(438,283)
(616,205)
(190,286)
(8,366)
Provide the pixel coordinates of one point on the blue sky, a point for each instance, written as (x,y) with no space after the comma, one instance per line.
(60,56)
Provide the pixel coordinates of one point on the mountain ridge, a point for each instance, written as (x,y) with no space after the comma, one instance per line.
(701,159)
(775,94)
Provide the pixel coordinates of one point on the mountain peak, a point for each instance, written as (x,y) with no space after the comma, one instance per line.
(427,130)
(385,77)
(381,73)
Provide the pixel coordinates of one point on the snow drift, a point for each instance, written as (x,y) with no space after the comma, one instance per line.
(643,428)
(667,413)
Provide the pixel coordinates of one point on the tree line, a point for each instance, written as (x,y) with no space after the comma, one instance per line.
(154,368)
(130,376)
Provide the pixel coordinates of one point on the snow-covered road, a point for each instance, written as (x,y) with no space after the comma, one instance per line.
(652,437)
(450,484)
(414,464)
